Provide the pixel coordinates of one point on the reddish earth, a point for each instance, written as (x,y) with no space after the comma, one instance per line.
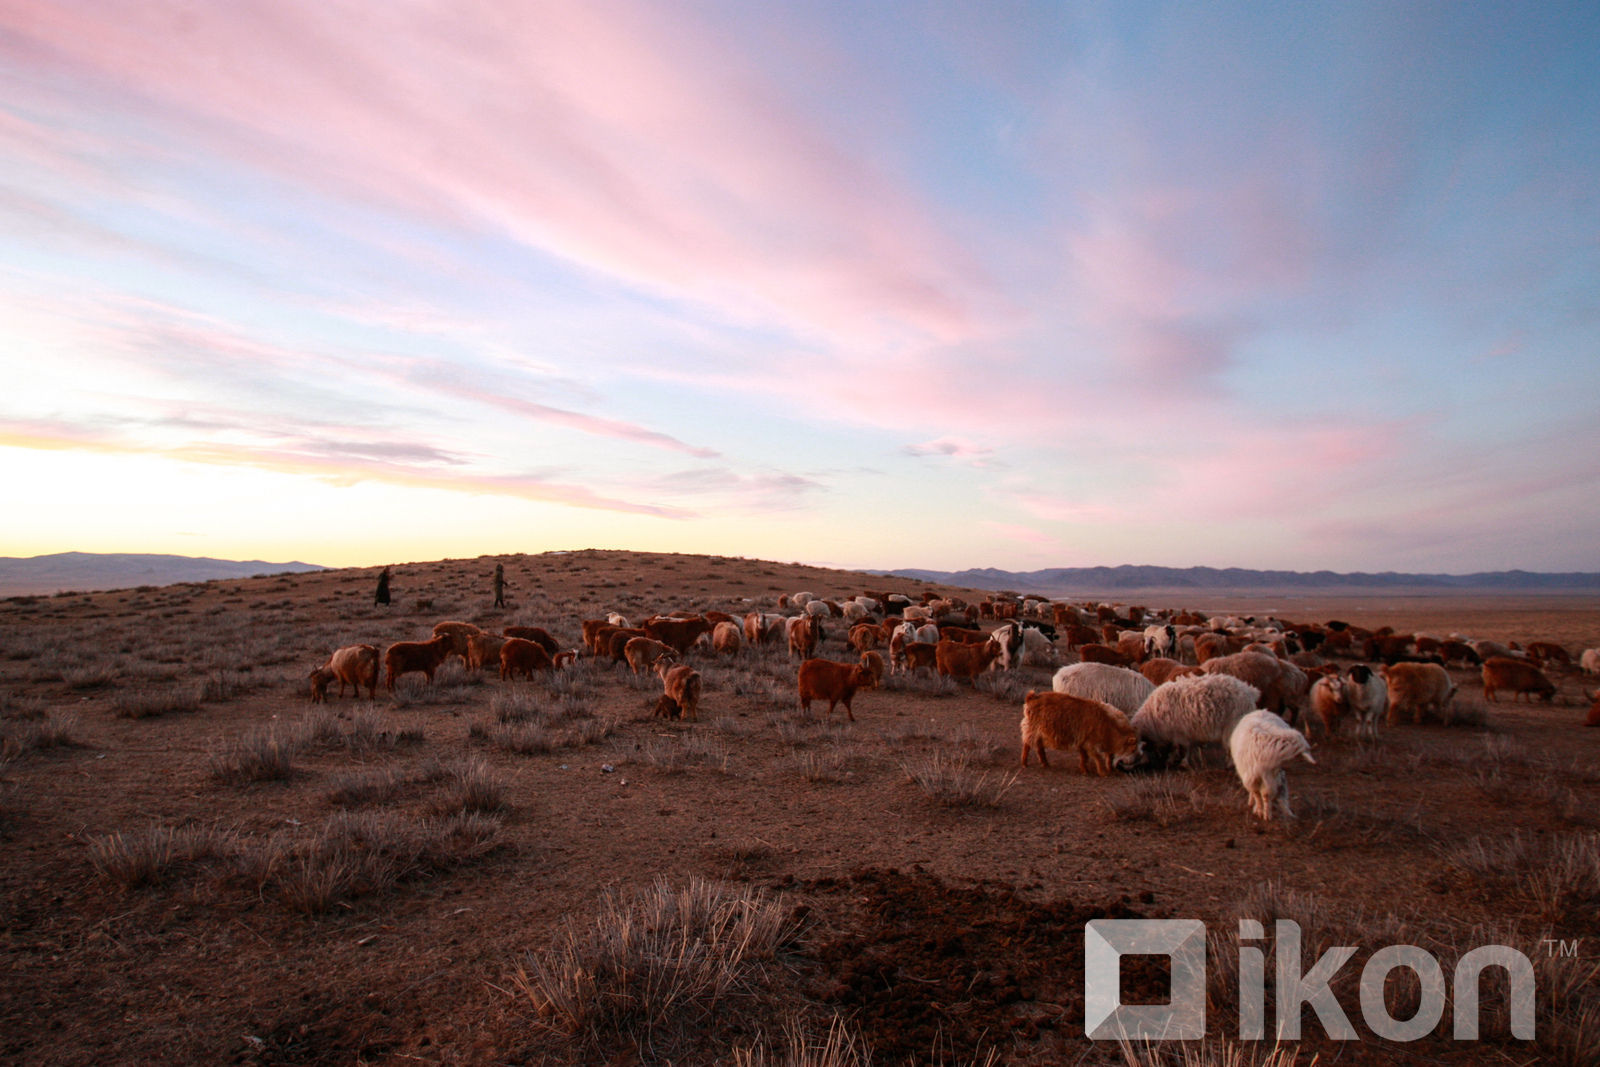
(941,933)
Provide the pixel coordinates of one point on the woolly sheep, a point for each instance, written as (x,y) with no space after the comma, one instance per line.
(1261,745)
(1194,711)
(1589,661)
(1118,686)
(1270,675)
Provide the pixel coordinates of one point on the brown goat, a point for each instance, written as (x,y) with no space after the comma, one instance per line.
(957,660)
(353,664)
(403,657)
(682,685)
(1517,675)
(1100,732)
(521,656)
(823,679)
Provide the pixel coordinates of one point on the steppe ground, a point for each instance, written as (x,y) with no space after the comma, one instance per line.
(201,866)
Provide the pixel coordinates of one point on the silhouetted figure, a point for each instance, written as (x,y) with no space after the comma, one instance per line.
(383,589)
(499,585)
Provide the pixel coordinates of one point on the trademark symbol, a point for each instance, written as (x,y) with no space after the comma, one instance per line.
(1555,947)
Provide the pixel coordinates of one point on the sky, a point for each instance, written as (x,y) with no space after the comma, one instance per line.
(943,285)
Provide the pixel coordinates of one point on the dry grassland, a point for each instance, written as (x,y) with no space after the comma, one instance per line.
(201,866)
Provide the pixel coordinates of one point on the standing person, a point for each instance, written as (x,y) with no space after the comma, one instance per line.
(499,585)
(383,589)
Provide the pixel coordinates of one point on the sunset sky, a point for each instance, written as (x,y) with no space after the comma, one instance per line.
(1019,285)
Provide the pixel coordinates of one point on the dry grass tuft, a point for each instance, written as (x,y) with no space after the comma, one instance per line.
(20,737)
(265,754)
(651,968)
(144,702)
(146,857)
(950,781)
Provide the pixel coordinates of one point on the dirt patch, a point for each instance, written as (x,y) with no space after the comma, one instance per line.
(921,964)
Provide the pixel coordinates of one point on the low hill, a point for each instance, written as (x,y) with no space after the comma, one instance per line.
(82,571)
(1059,581)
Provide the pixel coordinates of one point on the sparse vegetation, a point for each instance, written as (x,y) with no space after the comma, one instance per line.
(651,967)
(952,782)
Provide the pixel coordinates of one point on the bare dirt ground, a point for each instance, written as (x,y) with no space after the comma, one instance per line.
(377,900)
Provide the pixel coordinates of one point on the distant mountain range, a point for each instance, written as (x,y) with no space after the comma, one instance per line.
(83,571)
(1058,581)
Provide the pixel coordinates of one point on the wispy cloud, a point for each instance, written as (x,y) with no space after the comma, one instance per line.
(339,463)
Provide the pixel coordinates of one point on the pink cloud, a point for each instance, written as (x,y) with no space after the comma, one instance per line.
(341,467)
(957,447)
(624,138)
(1025,534)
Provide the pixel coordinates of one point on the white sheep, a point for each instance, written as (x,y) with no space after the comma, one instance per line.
(1160,641)
(800,600)
(1117,686)
(853,612)
(1367,695)
(1589,661)
(1194,711)
(1037,648)
(1262,744)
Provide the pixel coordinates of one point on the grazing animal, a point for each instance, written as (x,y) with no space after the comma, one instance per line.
(520,656)
(1485,649)
(641,653)
(355,664)
(1098,653)
(1124,689)
(1453,651)
(682,684)
(666,708)
(403,657)
(1367,696)
(873,662)
(535,633)
(1594,710)
(725,640)
(1328,704)
(1262,745)
(483,649)
(1038,647)
(1188,712)
(1548,652)
(1162,670)
(564,659)
(678,634)
(617,643)
(920,654)
(956,660)
(1101,733)
(823,679)
(864,637)
(1417,688)
(1267,673)
(1517,675)
(459,632)
(1209,646)
(1160,640)
(1589,661)
(805,634)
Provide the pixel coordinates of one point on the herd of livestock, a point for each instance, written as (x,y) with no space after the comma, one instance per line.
(1144,688)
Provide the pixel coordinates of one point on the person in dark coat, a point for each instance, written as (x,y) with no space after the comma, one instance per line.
(499,585)
(383,588)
